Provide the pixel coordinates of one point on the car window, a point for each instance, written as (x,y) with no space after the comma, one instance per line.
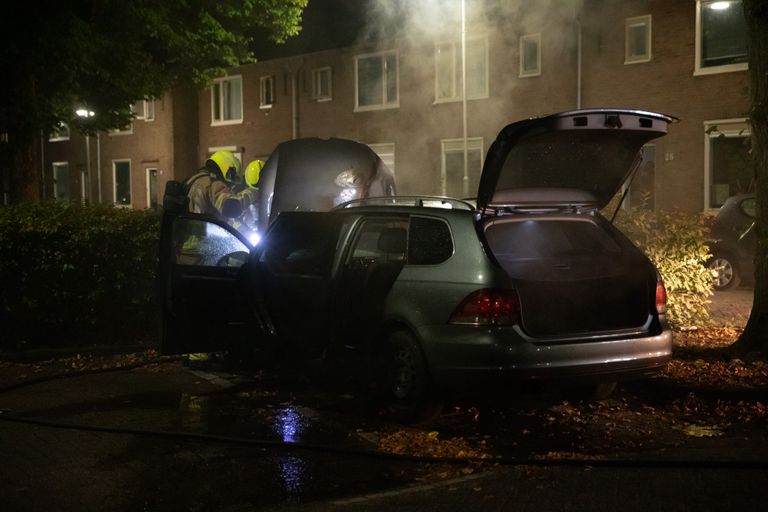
(429,241)
(301,244)
(203,243)
(529,240)
(379,240)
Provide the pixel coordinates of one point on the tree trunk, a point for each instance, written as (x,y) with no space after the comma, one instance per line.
(754,339)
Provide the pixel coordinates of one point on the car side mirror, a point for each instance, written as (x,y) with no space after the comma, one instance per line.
(175,198)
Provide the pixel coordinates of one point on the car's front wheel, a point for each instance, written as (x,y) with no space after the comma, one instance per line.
(724,272)
(405,382)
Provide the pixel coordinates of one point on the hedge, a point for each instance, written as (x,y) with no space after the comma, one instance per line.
(76,275)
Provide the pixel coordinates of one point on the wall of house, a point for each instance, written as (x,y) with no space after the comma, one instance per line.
(665,84)
(182,135)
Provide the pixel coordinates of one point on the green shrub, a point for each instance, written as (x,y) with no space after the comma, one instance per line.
(76,275)
(675,242)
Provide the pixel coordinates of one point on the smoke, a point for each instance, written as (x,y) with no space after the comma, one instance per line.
(414,27)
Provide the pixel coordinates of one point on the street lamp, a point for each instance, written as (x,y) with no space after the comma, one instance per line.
(465,180)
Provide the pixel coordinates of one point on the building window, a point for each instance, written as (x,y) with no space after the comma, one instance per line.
(322,86)
(448,82)
(376,81)
(386,152)
(152,188)
(266,91)
(721,37)
(637,39)
(144,110)
(727,161)
(227,100)
(60,133)
(61,181)
(454,182)
(121,170)
(530,55)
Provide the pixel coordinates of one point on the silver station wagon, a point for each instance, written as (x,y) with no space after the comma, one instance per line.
(435,294)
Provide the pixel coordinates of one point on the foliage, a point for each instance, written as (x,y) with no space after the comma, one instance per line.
(676,243)
(108,54)
(76,275)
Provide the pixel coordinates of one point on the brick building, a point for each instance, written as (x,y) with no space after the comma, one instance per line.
(402,94)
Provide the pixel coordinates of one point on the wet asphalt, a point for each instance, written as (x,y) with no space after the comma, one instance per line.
(169,437)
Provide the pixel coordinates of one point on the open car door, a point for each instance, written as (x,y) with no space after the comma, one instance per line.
(206,298)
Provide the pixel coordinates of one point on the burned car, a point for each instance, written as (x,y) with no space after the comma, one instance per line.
(317,174)
(435,295)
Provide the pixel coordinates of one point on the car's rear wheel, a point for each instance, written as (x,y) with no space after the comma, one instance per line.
(405,382)
(725,275)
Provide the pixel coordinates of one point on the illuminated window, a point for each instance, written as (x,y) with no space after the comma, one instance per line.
(721,36)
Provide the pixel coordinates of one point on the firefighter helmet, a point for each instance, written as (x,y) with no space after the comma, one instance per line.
(228,164)
(252,173)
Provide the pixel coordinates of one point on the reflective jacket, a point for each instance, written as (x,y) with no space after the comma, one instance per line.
(210,194)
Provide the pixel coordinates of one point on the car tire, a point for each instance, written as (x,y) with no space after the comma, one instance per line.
(725,275)
(404,381)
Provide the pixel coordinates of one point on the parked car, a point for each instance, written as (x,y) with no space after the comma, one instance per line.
(434,295)
(733,242)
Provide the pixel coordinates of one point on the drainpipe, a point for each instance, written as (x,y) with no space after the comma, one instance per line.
(98,164)
(294,107)
(42,162)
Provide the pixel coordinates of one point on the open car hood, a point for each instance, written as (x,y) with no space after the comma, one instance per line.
(318,174)
(579,158)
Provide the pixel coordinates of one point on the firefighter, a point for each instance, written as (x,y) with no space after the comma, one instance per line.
(210,191)
(248,221)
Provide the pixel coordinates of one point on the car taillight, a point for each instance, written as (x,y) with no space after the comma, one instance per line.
(661,297)
(488,306)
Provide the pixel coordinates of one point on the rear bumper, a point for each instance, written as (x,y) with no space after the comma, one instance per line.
(462,356)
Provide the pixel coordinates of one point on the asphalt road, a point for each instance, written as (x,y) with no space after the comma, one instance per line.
(307,448)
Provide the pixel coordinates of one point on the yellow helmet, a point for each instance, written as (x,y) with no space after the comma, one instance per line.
(252,173)
(228,164)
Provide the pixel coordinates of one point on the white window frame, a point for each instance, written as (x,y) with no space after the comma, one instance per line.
(220,100)
(114,182)
(264,102)
(736,127)
(60,134)
(54,167)
(385,104)
(128,130)
(710,70)
(235,150)
(385,151)
(457,145)
(148,171)
(317,94)
(455,48)
(634,22)
(523,39)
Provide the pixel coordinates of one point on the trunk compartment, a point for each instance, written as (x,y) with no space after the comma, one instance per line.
(573,276)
